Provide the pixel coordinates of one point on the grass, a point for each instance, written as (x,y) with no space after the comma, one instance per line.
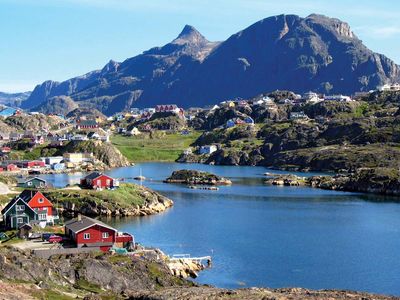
(127,195)
(83,284)
(50,295)
(165,148)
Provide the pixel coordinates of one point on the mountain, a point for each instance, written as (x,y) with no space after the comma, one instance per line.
(13,99)
(57,105)
(281,52)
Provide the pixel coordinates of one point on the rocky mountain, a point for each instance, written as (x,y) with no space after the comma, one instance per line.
(57,105)
(281,52)
(13,99)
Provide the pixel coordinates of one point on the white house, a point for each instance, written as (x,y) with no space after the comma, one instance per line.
(134,131)
(311,97)
(339,98)
(390,87)
(208,149)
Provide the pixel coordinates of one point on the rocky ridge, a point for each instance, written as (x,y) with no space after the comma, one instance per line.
(320,54)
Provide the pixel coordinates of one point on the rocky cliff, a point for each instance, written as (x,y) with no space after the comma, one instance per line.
(281,52)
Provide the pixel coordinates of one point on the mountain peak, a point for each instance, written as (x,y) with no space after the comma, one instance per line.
(187,31)
(191,35)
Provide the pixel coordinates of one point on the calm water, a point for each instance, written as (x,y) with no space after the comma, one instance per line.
(260,235)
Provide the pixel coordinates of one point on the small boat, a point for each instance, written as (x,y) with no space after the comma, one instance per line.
(139,178)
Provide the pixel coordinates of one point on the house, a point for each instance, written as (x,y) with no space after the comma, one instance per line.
(9,167)
(87,124)
(58,166)
(8,112)
(41,205)
(4,136)
(249,120)
(17,212)
(93,135)
(5,149)
(230,123)
(134,131)
(187,151)
(339,98)
(78,158)
(390,87)
(31,182)
(29,164)
(97,180)
(15,136)
(208,149)
(79,137)
(311,97)
(298,115)
(167,108)
(53,160)
(88,232)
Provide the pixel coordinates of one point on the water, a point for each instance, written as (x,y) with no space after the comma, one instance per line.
(262,235)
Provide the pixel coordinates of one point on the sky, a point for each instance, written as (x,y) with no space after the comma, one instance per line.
(60,39)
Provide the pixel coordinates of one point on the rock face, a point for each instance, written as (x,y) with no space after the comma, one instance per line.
(57,105)
(193,177)
(281,52)
(104,152)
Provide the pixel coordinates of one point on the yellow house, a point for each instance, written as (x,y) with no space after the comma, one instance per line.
(77,158)
(231,104)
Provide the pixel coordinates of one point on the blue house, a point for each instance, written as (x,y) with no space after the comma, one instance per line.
(249,120)
(7,112)
(58,166)
(230,123)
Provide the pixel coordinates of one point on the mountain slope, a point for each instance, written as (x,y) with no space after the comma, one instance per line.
(281,52)
(13,99)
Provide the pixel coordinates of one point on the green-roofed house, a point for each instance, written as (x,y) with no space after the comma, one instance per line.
(17,212)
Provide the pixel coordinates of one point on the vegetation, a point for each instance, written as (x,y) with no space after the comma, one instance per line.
(148,147)
(127,195)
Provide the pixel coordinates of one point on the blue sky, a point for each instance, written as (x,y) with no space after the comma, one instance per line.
(59,39)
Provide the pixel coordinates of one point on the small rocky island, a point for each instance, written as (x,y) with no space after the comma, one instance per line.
(127,200)
(193,177)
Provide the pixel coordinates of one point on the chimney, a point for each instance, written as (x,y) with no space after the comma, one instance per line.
(79,217)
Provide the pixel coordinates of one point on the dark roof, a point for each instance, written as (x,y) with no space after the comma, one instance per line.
(27,195)
(12,203)
(76,225)
(23,180)
(94,175)
(87,123)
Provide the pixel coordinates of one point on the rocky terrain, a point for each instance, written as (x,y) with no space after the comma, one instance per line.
(35,123)
(193,177)
(384,181)
(104,152)
(127,200)
(280,52)
(105,276)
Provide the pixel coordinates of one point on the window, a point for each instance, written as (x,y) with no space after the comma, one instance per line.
(42,217)
(20,220)
(99,182)
(108,182)
(105,235)
(41,200)
(20,207)
(29,183)
(86,236)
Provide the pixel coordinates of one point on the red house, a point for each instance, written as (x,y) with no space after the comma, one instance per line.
(98,180)
(40,204)
(88,232)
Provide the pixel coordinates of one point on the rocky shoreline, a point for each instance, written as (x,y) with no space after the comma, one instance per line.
(382,181)
(99,275)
